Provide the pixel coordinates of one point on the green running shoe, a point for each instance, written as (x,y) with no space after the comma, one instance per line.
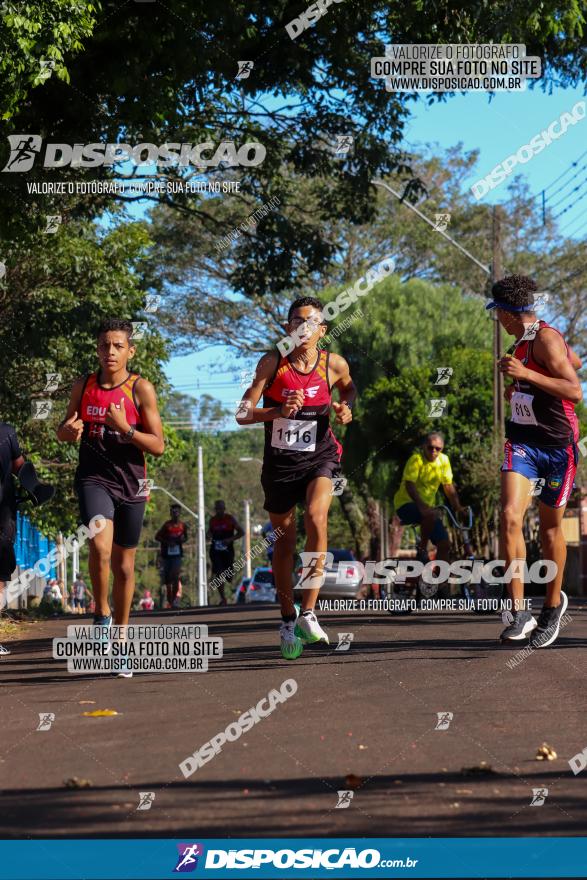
(291,646)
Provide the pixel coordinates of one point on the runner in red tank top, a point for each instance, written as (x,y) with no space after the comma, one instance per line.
(114,414)
(540,452)
(301,458)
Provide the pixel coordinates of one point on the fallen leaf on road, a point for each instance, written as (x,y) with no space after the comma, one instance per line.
(85,702)
(75,782)
(545,753)
(398,782)
(456,804)
(99,713)
(464,791)
(482,769)
(351,781)
(362,747)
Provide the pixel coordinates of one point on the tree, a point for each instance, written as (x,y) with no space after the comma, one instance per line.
(56,291)
(36,42)
(167,73)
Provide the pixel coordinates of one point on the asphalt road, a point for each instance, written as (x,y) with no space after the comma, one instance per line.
(369,712)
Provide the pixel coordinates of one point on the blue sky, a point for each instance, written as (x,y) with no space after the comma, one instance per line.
(498,129)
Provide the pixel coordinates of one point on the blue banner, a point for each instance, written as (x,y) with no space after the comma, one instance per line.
(552,857)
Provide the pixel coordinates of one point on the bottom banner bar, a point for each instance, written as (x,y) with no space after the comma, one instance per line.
(477,857)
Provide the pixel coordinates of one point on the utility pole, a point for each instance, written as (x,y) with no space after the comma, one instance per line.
(247,538)
(202,573)
(496,274)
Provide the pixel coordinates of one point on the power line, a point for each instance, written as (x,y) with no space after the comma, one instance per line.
(568,195)
(568,208)
(566,171)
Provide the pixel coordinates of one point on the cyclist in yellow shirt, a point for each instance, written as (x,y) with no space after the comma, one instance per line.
(414,501)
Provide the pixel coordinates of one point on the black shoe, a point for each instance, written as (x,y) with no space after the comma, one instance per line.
(520,627)
(549,622)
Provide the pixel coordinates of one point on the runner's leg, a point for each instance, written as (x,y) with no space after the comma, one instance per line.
(515,498)
(123,570)
(318,500)
(554,547)
(99,564)
(283,560)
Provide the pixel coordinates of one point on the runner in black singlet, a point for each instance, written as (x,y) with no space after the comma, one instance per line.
(223,531)
(301,458)
(113,414)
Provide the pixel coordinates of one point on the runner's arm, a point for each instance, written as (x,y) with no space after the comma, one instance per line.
(70,428)
(347,391)
(239,531)
(575,360)
(551,353)
(151,439)
(159,535)
(253,413)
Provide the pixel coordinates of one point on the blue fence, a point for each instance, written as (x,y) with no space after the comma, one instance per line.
(31,545)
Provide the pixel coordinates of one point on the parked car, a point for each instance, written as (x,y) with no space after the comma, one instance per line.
(342,576)
(262,586)
(240,590)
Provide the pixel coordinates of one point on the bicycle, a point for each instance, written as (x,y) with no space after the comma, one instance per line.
(481,596)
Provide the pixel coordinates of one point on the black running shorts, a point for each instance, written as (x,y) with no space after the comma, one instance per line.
(127,516)
(282,495)
(7,559)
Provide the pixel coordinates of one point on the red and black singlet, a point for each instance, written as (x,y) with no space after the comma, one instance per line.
(105,457)
(538,418)
(294,447)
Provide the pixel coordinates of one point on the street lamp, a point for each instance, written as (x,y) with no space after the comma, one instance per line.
(247,537)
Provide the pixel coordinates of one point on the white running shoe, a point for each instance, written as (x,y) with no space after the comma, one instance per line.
(291,645)
(309,630)
(4,650)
